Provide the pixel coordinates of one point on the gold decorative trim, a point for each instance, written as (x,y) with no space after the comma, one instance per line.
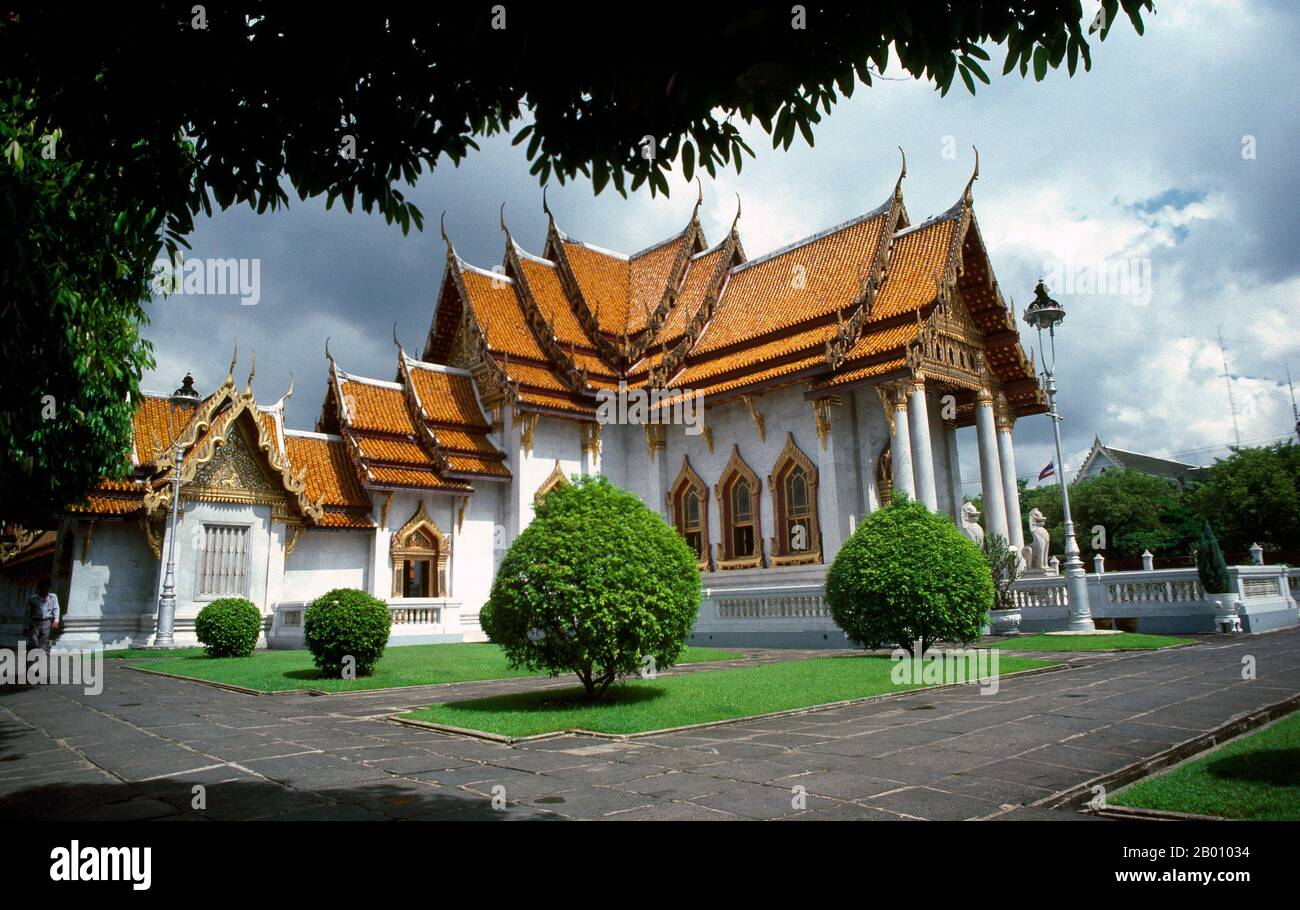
(656,438)
(86,539)
(153,534)
(400,549)
(590,439)
(527,421)
(553,480)
(736,467)
(822,417)
(292,534)
(687,476)
(708,437)
(791,455)
(759,423)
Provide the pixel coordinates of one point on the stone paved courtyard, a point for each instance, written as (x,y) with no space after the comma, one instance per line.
(136,750)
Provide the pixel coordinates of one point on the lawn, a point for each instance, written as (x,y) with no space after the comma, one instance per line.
(637,706)
(1124,641)
(1255,777)
(141,653)
(408,665)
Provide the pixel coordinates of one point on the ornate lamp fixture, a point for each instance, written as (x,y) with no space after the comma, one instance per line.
(1046,313)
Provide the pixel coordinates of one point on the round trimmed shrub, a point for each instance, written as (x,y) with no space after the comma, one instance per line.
(228,627)
(346,623)
(594,586)
(909,575)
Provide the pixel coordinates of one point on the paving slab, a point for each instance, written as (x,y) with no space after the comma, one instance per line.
(136,750)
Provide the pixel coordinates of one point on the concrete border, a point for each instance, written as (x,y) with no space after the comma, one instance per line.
(1077,796)
(623,737)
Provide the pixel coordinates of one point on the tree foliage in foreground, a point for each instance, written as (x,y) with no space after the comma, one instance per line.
(352,104)
(906,575)
(595,585)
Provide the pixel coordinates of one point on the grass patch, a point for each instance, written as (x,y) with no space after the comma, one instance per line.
(1256,777)
(152,653)
(1124,641)
(408,665)
(637,706)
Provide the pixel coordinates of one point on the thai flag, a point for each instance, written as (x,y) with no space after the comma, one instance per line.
(1048,471)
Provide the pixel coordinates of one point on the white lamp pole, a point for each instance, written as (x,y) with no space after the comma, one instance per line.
(185,395)
(1046,313)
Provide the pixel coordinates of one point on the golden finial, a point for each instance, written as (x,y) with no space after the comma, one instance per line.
(248,386)
(328,355)
(230,374)
(968,198)
(442,227)
(396,342)
(898,187)
(736,220)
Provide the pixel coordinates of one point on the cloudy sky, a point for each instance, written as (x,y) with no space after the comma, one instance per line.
(1168,160)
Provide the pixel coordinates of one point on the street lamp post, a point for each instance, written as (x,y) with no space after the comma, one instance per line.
(185,396)
(1046,313)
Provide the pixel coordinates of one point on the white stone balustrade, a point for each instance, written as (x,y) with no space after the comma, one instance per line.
(1163,600)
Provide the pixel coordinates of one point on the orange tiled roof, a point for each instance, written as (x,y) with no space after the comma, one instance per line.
(157,420)
(771,312)
(330,477)
(422,478)
(377,408)
(448,398)
(793,285)
(109,505)
(344,520)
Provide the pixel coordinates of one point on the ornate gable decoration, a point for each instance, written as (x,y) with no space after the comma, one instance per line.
(553,480)
(420,534)
(235,462)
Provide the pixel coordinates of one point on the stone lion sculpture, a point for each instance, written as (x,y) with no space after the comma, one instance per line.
(1042,540)
(970,523)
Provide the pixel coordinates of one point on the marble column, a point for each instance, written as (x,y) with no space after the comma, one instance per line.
(995,507)
(1010,489)
(901,445)
(954,467)
(918,420)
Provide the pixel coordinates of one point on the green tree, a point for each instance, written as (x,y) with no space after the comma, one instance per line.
(908,575)
(1253,496)
(596,585)
(1210,564)
(351,108)
(77,257)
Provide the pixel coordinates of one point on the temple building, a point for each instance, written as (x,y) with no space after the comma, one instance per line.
(828,374)
(1102,458)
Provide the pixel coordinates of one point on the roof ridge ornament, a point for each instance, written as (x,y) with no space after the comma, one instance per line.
(442,228)
(968,197)
(230,374)
(736,220)
(898,186)
(328,355)
(248,386)
(287,395)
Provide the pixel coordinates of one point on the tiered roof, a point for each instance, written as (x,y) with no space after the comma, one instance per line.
(859,303)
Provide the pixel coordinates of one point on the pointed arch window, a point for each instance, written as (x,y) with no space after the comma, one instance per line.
(793,483)
(688,503)
(419,553)
(741,546)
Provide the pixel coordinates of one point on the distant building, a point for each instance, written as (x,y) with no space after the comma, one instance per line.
(1102,457)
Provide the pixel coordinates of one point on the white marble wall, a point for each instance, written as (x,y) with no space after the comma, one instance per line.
(323,560)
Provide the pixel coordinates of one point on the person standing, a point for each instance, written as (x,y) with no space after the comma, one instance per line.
(42,616)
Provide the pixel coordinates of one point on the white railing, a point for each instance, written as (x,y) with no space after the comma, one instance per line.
(773,606)
(1265,593)
(1045,591)
(1165,586)
(414,614)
